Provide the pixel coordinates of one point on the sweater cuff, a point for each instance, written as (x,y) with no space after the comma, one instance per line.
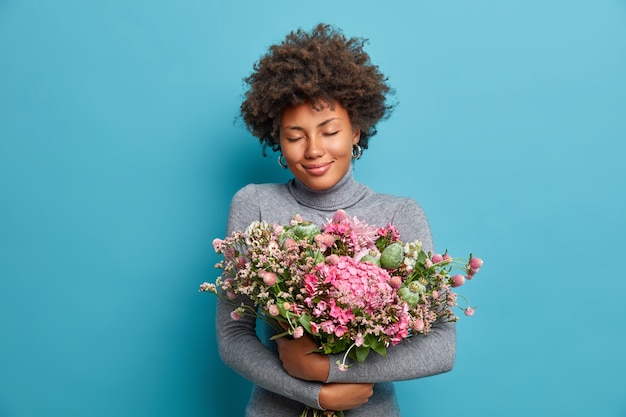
(306,392)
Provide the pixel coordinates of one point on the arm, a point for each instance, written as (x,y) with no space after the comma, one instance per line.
(299,362)
(417,357)
(237,340)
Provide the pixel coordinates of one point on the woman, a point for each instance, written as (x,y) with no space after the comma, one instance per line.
(316,98)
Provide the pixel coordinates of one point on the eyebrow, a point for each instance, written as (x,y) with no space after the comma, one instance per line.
(325,122)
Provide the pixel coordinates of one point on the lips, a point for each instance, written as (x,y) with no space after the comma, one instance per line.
(317,169)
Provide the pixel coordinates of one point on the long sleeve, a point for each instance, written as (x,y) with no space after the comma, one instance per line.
(419,356)
(239,345)
(242,350)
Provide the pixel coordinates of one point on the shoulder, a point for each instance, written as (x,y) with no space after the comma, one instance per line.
(257,192)
(406,214)
(250,203)
(395,205)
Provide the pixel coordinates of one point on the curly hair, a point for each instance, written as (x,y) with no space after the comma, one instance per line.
(322,66)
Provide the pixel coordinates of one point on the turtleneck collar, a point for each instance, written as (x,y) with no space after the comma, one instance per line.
(342,195)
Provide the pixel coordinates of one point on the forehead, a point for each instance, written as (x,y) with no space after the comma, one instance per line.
(313,114)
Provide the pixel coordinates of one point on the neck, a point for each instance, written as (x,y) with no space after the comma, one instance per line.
(344,194)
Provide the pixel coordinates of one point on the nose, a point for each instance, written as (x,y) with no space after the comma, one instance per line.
(314,147)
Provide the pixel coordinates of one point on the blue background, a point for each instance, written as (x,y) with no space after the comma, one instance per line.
(120,151)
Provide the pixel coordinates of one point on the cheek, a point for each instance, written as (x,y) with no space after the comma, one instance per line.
(290,151)
(342,148)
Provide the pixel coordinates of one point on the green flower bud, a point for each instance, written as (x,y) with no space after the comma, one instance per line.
(392,256)
(411,298)
(371,259)
(305,230)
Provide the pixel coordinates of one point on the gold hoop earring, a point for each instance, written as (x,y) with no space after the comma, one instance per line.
(281,161)
(356,151)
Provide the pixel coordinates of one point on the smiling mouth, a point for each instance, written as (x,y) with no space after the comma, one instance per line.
(317,169)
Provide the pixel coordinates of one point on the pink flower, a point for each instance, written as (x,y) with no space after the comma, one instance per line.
(325,240)
(395,282)
(273,310)
(332,259)
(457,280)
(269,278)
(390,231)
(320,308)
(418,325)
(298,332)
(290,244)
(217,245)
(339,216)
(340,330)
(346,303)
(315,328)
(327,327)
(343,316)
(310,283)
(475,263)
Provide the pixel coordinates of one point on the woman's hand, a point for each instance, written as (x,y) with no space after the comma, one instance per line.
(342,396)
(300,361)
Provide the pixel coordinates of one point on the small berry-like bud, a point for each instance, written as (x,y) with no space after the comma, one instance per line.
(457,280)
(298,332)
(475,263)
(273,310)
(395,282)
(269,278)
(418,325)
(436,258)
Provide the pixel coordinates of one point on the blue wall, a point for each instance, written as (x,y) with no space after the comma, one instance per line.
(119,154)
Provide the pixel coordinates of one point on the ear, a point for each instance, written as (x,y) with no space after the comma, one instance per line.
(356,136)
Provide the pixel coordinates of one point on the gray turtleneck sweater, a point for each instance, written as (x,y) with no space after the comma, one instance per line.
(276,393)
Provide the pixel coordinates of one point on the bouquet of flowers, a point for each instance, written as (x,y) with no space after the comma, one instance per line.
(354,288)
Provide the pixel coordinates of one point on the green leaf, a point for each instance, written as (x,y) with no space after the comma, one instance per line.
(378,346)
(361,353)
(305,321)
